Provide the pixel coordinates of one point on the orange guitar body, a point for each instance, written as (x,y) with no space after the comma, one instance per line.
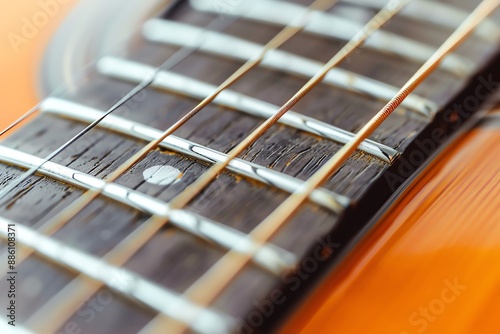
(430,265)
(26,27)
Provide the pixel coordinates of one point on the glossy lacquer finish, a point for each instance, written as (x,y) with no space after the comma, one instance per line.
(25,30)
(431,265)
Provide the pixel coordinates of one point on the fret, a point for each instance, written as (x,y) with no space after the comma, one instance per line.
(223,45)
(443,14)
(121,280)
(270,257)
(134,72)
(146,231)
(321,23)
(67,291)
(74,111)
(216,280)
(72,210)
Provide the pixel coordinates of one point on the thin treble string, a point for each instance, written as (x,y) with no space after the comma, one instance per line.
(209,286)
(24,117)
(185,197)
(56,92)
(175,59)
(71,211)
(131,245)
(12,185)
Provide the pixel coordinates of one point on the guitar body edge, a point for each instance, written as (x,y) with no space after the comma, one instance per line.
(430,264)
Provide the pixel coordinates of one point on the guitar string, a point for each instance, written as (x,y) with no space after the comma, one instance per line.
(176,58)
(289,31)
(52,227)
(71,211)
(54,94)
(180,55)
(24,117)
(141,238)
(57,92)
(210,285)
(373,25)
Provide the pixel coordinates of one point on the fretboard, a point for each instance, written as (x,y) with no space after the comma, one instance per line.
(132,294)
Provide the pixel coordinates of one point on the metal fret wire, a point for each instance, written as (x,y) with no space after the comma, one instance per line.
(54,94)
(209,286)
(383,41)
(228,46)
(130,71)
(150,227)
(52,320)
(57,92)
(272,258)
(443,14)
(268,176)
(129,284)
(382,17)
(13,184)
(175,59)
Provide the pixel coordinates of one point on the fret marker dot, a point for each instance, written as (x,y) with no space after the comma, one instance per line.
(162,175)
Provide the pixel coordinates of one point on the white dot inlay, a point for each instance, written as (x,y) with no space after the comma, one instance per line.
(162,175)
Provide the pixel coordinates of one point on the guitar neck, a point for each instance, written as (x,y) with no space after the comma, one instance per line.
(174,257)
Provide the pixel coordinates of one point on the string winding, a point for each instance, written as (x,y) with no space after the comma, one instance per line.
(219,276)
(209,286)
(118,256)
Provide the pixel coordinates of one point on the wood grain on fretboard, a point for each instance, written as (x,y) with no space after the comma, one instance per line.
(175,258)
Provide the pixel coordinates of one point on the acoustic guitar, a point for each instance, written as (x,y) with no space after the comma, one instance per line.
(264,166)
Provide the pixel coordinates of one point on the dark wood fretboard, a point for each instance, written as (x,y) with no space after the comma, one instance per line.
(175,258)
